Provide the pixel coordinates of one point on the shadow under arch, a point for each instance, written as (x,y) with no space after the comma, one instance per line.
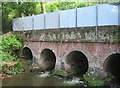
(112,65)
(26,53)
(47,60)
(78,62)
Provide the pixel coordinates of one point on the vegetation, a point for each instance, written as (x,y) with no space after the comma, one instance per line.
(56,6)
(92,80)
(12,68)
(109,79)
(59,73)
(10,46)
(17,68)
(7,57)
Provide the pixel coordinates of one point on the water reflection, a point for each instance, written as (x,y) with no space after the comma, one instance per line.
(31,80)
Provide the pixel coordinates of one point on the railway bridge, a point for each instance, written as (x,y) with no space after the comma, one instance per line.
(77,40)
(73,50)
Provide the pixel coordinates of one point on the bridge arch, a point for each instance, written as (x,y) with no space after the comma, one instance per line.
(112,65)
(47,59)
(26,53)
(78,62)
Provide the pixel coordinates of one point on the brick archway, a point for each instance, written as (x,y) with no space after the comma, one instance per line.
(26,53)
(78,62)
(47,60)
(112,65)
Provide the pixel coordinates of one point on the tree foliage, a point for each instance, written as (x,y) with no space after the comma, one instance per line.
(55,6)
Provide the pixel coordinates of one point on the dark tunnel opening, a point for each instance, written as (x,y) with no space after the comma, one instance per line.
(112,65)
(48,59)
(26,58)
(26,54)
(78,63)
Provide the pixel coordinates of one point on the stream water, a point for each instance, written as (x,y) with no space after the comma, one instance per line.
(43,79)
(32,79)
(35,79)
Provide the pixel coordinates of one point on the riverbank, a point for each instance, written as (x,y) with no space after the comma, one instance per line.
(9,53)
(10,69)
(87,79)
(45,79)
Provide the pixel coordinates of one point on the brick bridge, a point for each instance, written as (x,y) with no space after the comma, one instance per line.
(75,50)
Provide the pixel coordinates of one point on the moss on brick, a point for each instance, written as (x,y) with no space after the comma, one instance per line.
(108,34)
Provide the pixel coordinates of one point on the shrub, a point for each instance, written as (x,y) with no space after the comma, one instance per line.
(18,68)
(11,44)
(6,56)
(92,80)
(9,50)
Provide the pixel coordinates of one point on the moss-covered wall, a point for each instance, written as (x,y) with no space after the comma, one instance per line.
(108,34)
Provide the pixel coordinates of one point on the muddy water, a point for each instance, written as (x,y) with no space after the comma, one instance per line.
(31,79)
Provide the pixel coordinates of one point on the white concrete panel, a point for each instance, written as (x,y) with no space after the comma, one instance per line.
(86,16)
(72,18)
(18,24)
(39,22)
(68,18)
(107,15)
(63,19)
(52,20)
(118,14)
(28,23)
